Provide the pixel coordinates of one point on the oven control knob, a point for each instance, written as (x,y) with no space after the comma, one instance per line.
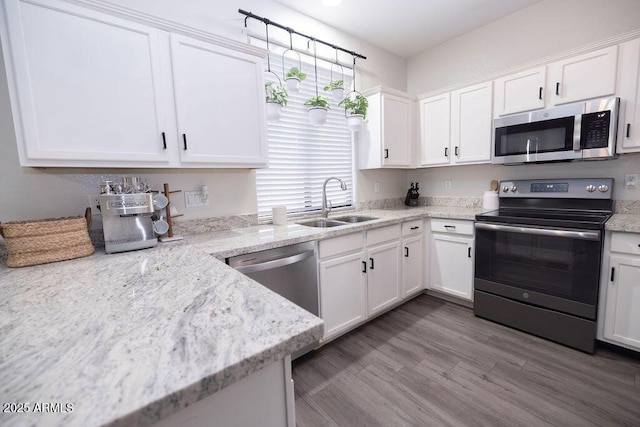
(514,188)
(591,188)
(505,189)
(603,188)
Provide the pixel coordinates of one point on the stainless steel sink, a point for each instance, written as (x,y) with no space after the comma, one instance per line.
(336,222)
(355,218)
(323,223)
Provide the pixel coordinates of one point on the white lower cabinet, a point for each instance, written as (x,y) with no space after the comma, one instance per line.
(451,257)
(361,275)
(620,322)
(412,255)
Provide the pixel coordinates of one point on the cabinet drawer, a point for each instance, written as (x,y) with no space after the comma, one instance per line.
(412,227)
(453,226)
(341,245)
(384,234)
(628,243)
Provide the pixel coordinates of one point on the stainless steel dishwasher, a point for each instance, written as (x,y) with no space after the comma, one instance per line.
(290,271)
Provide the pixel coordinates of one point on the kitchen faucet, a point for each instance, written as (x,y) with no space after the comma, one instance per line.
(325,209)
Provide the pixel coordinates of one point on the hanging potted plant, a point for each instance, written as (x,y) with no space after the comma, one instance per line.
(318,107)
(355,109)
(276,97)
(293,77)
(337,89)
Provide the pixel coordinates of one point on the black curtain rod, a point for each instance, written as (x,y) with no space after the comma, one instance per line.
(292,31)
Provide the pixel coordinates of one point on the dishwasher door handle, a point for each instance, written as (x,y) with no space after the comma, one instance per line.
(276,263)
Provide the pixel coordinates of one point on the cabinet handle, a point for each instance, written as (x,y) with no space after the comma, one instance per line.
(558,88)
(371,261)
(417,226)
(364,266)
(164,141)
(456,151)
(446,151)
(540,93)
(406,252)
(386,153)
(469,253)
(184,141)
(450,227)
(628,129)
(613,273)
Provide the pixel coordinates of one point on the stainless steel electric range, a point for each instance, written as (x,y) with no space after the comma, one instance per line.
(538,257)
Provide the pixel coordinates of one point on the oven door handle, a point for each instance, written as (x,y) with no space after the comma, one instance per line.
(572,234)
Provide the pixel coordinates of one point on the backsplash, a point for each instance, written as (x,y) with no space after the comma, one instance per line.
(207,225)
(627,206)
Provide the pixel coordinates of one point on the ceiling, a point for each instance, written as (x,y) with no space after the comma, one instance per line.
(408,27)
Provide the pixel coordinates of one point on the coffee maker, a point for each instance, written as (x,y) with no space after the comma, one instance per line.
(127,221)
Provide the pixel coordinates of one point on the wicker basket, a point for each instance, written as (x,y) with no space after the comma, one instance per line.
(47,240)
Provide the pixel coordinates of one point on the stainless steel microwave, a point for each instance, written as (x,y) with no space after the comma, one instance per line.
(580,131)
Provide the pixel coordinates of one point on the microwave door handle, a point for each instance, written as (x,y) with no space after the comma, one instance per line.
(553,232)
(577,126)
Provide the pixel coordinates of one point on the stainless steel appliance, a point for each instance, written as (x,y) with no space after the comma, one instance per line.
(537,258)
(580,131)
(127,221)
(290,271)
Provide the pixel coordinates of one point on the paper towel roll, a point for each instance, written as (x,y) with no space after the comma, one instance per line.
(279,215)
(490,200)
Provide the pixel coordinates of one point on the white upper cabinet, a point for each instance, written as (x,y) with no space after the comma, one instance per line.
(629,91)
(455,127)
(90,89)
(520,92)
(386,139)
(219,95)
(86,86)
(435,130)
(590,75)
(471,122)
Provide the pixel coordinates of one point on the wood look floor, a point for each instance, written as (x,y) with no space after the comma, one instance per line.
(433,363)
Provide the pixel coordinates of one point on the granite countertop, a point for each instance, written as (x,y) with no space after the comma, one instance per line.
(130,338)
(624,222)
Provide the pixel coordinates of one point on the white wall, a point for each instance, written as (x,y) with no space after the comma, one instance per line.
(31,193)
(544,29)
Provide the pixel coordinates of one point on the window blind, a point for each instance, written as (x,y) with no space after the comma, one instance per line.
(302,156)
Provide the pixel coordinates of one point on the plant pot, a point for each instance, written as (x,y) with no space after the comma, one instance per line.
(354,122)
(293,84)
(273,110)
(317,115)
(337,93)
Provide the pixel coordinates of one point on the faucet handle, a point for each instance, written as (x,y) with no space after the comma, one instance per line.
(329,206)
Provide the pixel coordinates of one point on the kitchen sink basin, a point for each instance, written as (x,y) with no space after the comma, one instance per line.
(323,223)
(336,222)
(355,218)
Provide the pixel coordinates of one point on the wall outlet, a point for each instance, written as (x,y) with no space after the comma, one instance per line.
(194,199)
(94,202)
(447,184)
(631,180)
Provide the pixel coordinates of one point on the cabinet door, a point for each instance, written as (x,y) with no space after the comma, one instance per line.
(622,314)
(343,287)
(471,123)
(396,131)
(384,276)
(452,265)
(435,129)
(629,92)
(86,88)
(412,265)
(220,104)
(520,92)
(590,75)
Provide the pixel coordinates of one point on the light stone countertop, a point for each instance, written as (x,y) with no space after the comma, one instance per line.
(131,338)
(624,222)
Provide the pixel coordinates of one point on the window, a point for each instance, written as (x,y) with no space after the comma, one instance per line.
(302,156)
